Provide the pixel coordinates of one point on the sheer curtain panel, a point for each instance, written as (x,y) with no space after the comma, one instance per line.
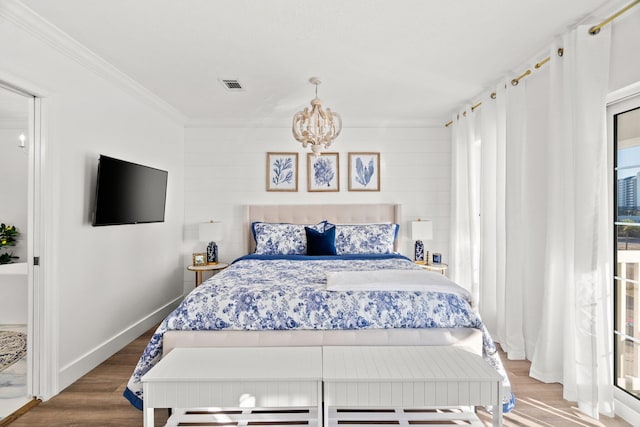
(574,346)
(465,228)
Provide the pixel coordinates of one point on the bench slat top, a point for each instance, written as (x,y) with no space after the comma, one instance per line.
(404,363)
(239,364)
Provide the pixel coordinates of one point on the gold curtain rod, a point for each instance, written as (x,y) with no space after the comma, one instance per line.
(544,61)
(596,28)
(515,81)
(593,31)
(473,108)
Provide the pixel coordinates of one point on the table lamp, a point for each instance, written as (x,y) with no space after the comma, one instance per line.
(211,232)
(421,230)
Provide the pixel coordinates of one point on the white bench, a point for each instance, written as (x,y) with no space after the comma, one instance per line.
(401,383)
(413,377)
(267,377)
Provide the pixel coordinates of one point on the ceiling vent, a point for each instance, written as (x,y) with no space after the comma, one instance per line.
(232,85)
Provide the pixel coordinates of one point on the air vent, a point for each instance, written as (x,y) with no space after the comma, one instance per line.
(232,85)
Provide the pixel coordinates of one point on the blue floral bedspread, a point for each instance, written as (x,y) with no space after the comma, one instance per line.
(270,292)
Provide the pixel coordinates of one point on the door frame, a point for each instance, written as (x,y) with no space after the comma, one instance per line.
(42,331)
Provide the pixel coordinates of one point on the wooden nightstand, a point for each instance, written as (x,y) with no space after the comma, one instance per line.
(209,267)
(441,267)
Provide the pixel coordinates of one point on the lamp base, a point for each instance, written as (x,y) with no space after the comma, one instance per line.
(419,251)
(212,253)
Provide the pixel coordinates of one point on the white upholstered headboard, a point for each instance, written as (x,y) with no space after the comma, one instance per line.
(311,214)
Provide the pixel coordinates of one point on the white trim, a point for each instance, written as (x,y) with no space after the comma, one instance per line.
(83,364)
(23,85)
(627,407)
(33,331)
(29,21)
(623,93)
(44,305)
(624,279)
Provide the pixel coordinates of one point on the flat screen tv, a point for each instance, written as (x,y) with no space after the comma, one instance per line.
(129,193)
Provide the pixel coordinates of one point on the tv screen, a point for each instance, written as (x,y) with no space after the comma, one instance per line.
(128,193)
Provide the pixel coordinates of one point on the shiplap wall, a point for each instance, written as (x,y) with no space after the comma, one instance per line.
(225,170)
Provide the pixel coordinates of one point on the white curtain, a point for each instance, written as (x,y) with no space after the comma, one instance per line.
(505,205)
(575,343)
(465,234)
(492,231)
(543,274)
(511,332)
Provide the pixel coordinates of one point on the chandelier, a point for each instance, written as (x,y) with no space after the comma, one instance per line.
(316,127)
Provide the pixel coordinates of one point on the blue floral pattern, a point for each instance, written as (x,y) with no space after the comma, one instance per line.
(258,294)
(365,238)
(323,172)
(282,238)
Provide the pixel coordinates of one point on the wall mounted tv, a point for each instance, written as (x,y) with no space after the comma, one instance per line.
(128,193)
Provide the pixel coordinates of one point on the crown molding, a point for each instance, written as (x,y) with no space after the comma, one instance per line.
(26,19)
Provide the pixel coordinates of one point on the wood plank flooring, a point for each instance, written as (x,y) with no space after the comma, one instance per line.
(96,399)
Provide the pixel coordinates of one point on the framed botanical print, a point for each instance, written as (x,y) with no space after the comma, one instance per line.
(364,171)
(323,172)
(282,171)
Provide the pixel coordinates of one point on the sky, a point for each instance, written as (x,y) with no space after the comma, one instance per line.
(628,157)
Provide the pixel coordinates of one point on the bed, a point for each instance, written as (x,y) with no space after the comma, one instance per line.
(361,292)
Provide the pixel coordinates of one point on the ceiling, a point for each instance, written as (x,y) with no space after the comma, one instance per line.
(382,62)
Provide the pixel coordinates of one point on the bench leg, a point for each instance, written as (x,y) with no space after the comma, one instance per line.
(497,410)
(148,417)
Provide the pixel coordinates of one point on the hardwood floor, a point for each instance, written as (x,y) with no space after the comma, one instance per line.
(540,404)
(96,399)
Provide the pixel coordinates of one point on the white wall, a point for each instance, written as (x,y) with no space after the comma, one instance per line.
(107,280)
(625,61)
(225,169)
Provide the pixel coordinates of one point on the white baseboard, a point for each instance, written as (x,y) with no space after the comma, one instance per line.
(85,363)
(627,407)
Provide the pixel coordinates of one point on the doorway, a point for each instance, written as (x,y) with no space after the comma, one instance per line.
(16,137)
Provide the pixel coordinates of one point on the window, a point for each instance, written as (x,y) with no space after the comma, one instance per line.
(625,119)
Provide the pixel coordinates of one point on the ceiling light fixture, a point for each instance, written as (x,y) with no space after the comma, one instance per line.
(316,127)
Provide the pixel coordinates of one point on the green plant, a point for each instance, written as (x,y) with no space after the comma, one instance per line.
(8,237)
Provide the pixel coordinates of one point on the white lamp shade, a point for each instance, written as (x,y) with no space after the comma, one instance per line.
(422,230)
(211,231)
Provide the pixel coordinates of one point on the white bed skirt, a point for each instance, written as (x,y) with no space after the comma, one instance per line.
(469,338)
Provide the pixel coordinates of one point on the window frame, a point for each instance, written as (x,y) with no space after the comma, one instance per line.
(615,108)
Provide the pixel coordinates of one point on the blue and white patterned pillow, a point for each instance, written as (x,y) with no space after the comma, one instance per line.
(282,238)
(365,238)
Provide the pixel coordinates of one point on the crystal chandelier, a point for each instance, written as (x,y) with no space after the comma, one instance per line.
(316,127)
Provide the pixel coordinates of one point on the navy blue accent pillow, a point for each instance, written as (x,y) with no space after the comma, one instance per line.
(321,243)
